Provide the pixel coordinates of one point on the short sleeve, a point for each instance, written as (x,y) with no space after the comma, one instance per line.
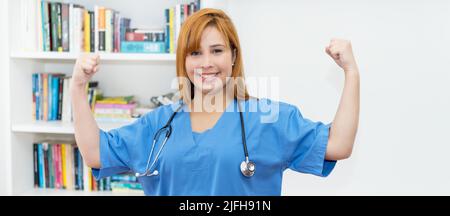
(117,147)
(306,143)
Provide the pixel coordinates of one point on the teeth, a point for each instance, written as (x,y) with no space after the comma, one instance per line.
(199,72)
(209,75)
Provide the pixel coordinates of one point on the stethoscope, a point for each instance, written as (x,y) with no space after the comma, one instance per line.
(247,167)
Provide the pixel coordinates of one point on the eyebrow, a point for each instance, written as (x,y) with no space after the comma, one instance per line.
(217,45)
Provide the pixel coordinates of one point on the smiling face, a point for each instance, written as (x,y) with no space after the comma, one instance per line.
(207,47)
(210,67)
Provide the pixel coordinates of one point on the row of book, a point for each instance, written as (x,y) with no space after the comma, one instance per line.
(60,165)
(67,27)
(51,98)
(52,102)
(115,109)
(175,17)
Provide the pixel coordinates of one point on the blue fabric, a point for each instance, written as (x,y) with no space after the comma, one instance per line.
(208,163)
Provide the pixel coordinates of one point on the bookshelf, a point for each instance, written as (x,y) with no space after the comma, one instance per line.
(56,127)
(104,56)
(142,75)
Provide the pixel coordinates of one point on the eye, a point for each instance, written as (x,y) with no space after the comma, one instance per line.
(194,53)
(217,51)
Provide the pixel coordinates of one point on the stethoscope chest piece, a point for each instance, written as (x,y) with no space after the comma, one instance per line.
(248,168)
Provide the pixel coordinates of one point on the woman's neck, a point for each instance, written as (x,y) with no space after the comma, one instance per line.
(216,102)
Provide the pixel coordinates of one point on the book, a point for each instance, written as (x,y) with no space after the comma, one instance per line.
(87,31)
(116,100)
(143,47)
(101,29)
(65,27)
(35,165)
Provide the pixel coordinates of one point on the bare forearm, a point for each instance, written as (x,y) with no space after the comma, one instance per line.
(86,128)
(345,123)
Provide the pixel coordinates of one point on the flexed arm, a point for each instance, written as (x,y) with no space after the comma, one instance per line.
(345,124)
(85,126)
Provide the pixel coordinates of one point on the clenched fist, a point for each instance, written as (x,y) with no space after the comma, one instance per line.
(85,67)
(341,52)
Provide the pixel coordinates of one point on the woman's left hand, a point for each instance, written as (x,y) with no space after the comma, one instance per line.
(341,52)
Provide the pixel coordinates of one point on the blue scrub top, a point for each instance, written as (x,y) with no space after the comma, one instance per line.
(208,163)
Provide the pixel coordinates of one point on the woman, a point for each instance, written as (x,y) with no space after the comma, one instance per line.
(215,140)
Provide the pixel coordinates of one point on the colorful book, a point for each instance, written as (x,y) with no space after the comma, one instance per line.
(143,47)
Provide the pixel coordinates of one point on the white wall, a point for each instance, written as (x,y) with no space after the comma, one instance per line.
(402,48)
(4,109)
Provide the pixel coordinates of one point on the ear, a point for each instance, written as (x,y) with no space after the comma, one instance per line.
(234,55)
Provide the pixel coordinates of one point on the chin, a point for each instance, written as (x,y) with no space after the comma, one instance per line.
(210,90)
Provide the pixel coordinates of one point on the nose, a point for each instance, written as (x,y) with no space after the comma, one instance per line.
(206,61)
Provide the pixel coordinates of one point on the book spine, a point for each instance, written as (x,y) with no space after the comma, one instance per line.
(96,33)
(34,87)
(108,30)
(167,30)
(92,31)
(42,25)
(46,22)
(55,165)
(185,12)
(46,165)
(51,167)
(76,171)
(65,27)
(54,25)
(124,25)
(59,31)
(115,106)
(41,166)
(63,165)
(171,30)
(76,30)
(58,168)
(55,97)
(60,165)
(101,29)
(69,167)
(116,32)
(71,28)
(87,31)
(133,36)
(142,47)
(35,165)
(40,97)
(60,97)
(65,101)
(45,98)
(80,171)
(177,24)
(50,97)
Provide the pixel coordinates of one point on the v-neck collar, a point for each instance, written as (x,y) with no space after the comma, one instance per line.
(187,120)
(228,109)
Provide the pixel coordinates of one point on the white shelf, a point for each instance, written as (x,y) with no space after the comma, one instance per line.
(62,192)
(58,127)
(103,56)
(142,75)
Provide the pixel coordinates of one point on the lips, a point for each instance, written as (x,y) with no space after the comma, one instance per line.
(205,75)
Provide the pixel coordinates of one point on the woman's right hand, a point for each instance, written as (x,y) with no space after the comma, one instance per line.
(86,66)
